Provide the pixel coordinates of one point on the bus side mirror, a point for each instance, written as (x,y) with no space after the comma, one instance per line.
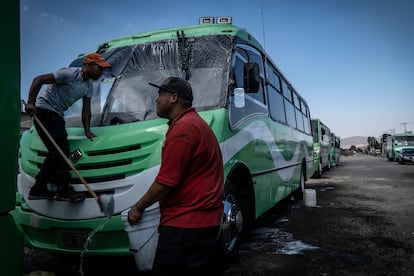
(251,77)
(239,101)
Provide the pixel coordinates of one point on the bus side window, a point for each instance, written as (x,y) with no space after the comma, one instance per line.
(290,109)
(299,118)
(238,73)
(276,105)
(251,76)
(306,118)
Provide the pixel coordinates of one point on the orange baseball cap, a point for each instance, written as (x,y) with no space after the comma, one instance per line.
(96,58)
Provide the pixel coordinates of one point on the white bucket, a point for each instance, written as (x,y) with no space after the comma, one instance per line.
(143,237)
(309,197)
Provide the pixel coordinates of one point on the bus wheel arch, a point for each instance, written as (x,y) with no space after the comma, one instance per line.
(239,210)
(298,193)
(319,170)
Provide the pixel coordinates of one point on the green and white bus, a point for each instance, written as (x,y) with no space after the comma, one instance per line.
(400,147)
(261,122)
(322,147)
(335,149)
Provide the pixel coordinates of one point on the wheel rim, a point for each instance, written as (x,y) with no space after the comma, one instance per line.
(232,223)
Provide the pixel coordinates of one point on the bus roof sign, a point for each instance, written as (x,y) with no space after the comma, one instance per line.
(206,20)
(224,20)
(211,20)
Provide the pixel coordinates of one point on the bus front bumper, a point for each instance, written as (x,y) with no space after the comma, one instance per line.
(64,236)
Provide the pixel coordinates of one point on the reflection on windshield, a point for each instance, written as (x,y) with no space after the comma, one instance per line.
(405,140)
(315,131)
(128,97)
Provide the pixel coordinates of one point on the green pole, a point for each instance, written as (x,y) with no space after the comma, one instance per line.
(11,241)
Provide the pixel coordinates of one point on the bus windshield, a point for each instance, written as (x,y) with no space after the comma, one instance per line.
(124,95)
(315,131)
(404,140)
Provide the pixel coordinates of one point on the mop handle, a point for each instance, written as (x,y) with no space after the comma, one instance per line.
(65,157)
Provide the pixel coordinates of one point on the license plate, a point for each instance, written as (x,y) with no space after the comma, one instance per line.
(73,239)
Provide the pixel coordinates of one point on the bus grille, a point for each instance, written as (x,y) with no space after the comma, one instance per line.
(94,170)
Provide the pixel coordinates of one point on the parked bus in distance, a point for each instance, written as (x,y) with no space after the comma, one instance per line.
(322,147)
(261,122)
(384,143)
(335,149)
(400,147)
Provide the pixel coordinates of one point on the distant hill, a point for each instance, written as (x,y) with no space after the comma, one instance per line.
(357,141)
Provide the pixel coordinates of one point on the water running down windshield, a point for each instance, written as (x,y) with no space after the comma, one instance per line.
(128,97)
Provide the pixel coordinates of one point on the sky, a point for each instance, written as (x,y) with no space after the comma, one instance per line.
(351,60)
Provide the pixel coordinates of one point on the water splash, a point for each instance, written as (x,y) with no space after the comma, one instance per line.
(275,241)
(88,240)
(295,247)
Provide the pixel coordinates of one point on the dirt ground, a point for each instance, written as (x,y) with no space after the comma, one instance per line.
(363,224)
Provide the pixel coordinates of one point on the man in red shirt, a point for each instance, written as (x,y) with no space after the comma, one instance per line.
(189,186)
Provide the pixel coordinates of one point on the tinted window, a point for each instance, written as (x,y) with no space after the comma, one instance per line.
(326,134)
(254,102)
(270,74)
(239,70)
(306,124)
(276,105)
(286,92)
(277,82)
(238,73)
(296,101)
(315,131)
(290,114)
(299,120)
(273,77)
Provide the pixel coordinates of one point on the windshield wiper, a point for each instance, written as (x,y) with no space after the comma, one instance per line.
(184,49)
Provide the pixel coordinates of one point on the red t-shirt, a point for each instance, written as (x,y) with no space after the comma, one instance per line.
(192,164)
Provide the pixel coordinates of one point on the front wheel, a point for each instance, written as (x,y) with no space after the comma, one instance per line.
(238,216)
(232,227)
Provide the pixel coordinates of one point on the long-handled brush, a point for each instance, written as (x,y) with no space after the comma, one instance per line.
(105,201)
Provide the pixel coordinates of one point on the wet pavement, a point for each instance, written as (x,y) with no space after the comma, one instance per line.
(362,224)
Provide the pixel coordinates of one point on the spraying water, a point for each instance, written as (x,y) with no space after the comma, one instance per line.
(88,240)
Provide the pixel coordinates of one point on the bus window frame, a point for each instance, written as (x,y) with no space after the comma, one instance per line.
(244,54)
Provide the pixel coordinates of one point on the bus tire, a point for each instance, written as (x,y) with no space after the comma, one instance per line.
(319,172)
(298,193)
(237,220)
